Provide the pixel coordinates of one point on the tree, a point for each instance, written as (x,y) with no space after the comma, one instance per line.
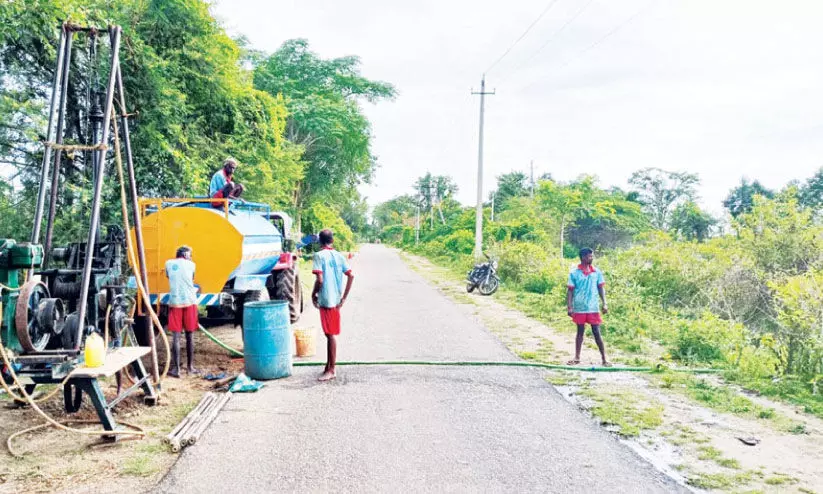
(394,211)
(325,117)
(432,190)
(690,222)
(183,76)
(510,185)
(741,199)
(660,191)
(810,194)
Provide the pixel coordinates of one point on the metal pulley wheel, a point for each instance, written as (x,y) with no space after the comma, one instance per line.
(33,335)
(51,315)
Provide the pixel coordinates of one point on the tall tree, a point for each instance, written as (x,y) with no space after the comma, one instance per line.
(325,118)
(432,190)
(810,194)
(510,185)
(690,222)
(661,190)
(741,199)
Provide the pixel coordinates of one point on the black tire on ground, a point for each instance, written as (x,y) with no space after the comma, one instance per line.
(470,286)
(287,287)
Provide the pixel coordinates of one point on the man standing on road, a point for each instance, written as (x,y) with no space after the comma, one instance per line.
(328,295)
(222,186)
(182,307)
(586,284)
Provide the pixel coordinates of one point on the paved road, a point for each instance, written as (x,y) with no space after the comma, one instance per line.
(408,429)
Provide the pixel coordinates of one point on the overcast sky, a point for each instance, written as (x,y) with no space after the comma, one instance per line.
(722,88)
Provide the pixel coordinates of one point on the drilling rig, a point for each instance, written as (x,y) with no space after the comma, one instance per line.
(54,297)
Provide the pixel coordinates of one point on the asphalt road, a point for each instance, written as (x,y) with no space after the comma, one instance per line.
(408,429)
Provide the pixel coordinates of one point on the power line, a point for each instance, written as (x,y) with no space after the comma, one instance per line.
(609,34)
(551,38)
(546,10)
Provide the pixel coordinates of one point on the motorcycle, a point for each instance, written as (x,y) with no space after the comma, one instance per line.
(483,277)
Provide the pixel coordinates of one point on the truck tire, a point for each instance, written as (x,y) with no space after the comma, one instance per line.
(287,287)
(252,296)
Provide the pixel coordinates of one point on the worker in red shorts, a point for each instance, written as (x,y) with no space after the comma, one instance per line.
(182,307)
(328,295)
(585,293)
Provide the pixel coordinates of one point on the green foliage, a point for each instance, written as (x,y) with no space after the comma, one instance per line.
(660,191)
(749,302)
(689,222)
(325,117)
(741,199)
(320,216)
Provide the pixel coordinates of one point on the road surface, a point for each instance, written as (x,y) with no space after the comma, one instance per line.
(408,429)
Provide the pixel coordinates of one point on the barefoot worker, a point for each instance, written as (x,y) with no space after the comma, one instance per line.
(586,290)
(182,307)
(328,295)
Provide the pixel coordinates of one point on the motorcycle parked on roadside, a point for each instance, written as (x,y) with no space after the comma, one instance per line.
(483,277)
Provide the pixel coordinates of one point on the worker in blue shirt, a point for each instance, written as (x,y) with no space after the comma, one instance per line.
(222,185)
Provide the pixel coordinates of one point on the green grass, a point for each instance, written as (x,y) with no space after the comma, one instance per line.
(624,409)
(141,465)
(562,378)
(780,479)
(720,480)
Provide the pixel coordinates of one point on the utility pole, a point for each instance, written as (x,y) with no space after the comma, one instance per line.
(531,165)
(494,194)
(417,228)
(478,224)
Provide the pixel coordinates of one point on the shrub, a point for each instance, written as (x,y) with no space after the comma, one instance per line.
(707,339)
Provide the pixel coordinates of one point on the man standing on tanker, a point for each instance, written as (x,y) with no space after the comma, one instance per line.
(222,185)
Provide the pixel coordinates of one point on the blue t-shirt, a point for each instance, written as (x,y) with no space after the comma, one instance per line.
(180,273)
(333,266)
(586,300)
(218,181)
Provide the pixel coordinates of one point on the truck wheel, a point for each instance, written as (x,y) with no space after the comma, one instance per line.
(287,287)
(252,296)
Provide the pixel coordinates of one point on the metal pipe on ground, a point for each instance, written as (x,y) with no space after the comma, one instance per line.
(187,419)
(209,418)
(175,439)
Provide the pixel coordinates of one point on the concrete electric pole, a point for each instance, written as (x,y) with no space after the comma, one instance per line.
(531,165)
(478,226)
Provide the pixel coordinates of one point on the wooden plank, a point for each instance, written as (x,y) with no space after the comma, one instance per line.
(115,360)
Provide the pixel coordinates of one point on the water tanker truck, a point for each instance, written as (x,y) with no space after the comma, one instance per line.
(242,251)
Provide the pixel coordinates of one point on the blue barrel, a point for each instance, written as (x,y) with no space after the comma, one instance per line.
(267,334)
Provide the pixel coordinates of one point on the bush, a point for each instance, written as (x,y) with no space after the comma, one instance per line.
(459,242)
(707,339)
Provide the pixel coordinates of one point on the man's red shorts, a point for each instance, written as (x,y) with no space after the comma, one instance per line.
(330,320)
(181,318)
(587,318)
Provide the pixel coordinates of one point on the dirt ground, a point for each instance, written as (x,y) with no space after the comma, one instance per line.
(56,461)
(693,443)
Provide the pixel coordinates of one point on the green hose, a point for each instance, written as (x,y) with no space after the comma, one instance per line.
(232,351)
(471,363)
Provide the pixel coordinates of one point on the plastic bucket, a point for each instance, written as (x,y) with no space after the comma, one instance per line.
(268,339)
(305,342)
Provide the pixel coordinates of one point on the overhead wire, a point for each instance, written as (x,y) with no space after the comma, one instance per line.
(518,40)
(609,34)
(551,38)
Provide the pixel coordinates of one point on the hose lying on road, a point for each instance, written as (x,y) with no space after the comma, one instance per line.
(472,363)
